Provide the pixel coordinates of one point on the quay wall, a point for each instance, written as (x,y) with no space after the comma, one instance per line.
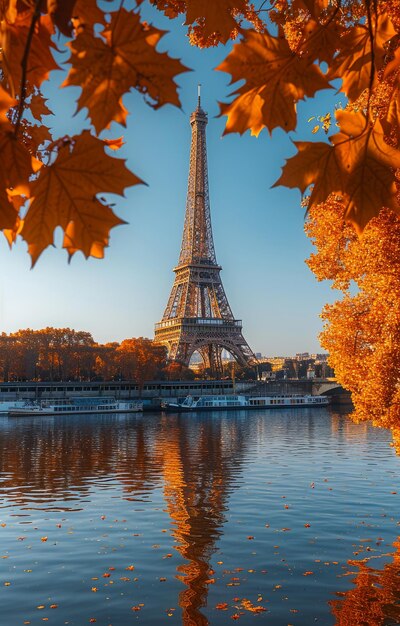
(153,391)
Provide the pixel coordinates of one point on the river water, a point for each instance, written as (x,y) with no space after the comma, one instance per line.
(284,517)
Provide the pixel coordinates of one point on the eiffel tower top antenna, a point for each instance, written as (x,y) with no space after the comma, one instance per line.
(198,95)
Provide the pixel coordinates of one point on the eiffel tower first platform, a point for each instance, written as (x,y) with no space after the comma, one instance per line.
(198,317)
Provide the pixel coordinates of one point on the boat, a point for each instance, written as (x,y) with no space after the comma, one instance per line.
(213,403)
(12,404)
(76,406)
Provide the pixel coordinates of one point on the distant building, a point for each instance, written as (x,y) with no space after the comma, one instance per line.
(310,372)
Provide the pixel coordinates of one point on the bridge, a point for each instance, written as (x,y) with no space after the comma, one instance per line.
(316,387)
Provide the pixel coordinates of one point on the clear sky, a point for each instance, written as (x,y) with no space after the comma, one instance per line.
(258,231)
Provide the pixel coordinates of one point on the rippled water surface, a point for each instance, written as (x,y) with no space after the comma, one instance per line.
(276,518)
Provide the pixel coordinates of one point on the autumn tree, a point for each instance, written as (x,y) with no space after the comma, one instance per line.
(177,371)
(67,354)
(140,359)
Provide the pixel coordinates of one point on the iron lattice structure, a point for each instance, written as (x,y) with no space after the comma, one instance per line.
(198,317)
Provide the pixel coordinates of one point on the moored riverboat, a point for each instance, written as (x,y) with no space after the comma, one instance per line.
(76,406)
(237,402)
(5,407)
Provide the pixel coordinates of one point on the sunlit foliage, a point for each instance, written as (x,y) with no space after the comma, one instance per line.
(66,354)
(287,50)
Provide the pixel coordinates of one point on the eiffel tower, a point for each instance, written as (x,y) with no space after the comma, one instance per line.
(198,317)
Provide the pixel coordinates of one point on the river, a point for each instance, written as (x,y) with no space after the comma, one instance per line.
(284,517)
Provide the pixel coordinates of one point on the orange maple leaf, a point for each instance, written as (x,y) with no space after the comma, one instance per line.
(276,78)
(393,65)
(216,17)
(315,7)
(38,106)
(315,163)
(40,59)
(17,167)
(354,62)
(61,12)
(87,13)
(114,144)
(126,57)
(369,163)
(320,41)
(6,102)
(65,195)
(359,166)
(391,121)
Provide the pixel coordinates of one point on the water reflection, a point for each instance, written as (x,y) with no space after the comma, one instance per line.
(375,598)
(55,460)
(199,467)
(47,463)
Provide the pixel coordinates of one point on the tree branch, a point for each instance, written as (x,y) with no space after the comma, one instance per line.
(24,65)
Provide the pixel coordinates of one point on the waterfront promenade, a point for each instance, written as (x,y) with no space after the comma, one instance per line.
(155,390)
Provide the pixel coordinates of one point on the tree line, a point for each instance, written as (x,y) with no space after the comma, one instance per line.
(66,354)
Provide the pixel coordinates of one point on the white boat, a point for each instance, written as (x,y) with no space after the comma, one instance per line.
(12,404)
(212,403)
(76,406)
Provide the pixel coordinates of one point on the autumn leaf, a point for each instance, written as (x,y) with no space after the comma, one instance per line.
(314,164)
(65,195)
(320,41)
(40,59)
(216,17)
(276,78)
(6,102)
(34,136)
(38,106)
(124,57)
(391,121)
(368,162)
(393,65)
(315,7)
(114,144)
(17,167)
(358,59)
(87,13)
(61,12)
(359,167)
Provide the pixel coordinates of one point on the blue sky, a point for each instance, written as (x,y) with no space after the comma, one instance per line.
(258,231)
